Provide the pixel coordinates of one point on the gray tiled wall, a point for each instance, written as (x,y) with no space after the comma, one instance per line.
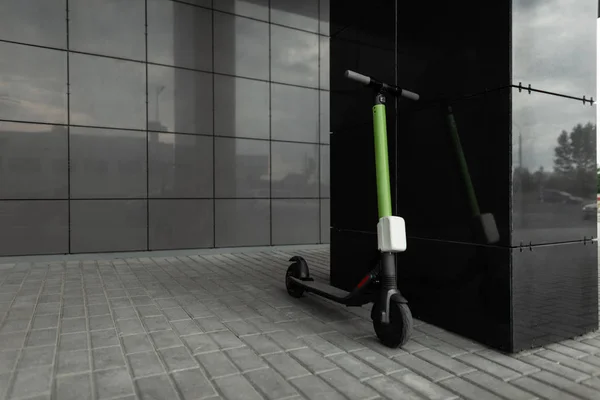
(160,124)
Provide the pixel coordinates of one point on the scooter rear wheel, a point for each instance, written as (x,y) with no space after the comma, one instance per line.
(398,331)
(293,288)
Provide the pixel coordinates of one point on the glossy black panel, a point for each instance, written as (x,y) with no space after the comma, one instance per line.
(554,45)
(108,225)
(107,163)
(180,100)
(554,169)
(294,114)
(180,165)
(34,227)
(113,28)
(241,168)
(181,224)
(296,14)
(460,287)
(294,170)
(258,9)
(294,57)
(33,85)
(242,223)
(241,46)
(554,293)
(426,153)
(107,92)
(180,35)
(295,221)
(33,161)
(241,107)
(43,23)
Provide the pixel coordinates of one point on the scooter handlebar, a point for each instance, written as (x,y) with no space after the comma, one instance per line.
(355,76)
(368,81)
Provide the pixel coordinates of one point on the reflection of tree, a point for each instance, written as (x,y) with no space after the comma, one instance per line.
(575,160)
(574,166)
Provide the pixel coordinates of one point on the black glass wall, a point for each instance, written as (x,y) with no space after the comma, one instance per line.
(519,77)
(156,124)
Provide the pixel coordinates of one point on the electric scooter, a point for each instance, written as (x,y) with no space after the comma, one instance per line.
(392,319)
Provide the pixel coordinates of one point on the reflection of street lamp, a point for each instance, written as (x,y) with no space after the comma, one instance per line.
(158,92)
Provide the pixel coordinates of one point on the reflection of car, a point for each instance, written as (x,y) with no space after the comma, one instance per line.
(557,196)
(590,211)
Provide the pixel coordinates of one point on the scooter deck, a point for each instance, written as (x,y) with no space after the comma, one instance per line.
(323,289)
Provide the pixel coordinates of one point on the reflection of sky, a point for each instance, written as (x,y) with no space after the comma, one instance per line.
(553,50)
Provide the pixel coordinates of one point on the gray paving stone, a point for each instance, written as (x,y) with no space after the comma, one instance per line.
(343,342)
(176,358)
(314,387)
(31,381)
(262,344)
(348,385)
(113,383)
(199,344)
(421,385)
(445,362)
(286,366)
(124,313)
(576,364)
(392,389)
(129,326)
(509,362)
(321,345)
(241,328)
(271,384)
(175,314)
(193,385)
(541,389)
(568,351)
(74,387)
(36,356)
(143,364)
(158,323)
(354,366)
(73,341)
(377,361)
(42,337)
(165,339)
(497,386)
(566,385)
(468,390)
(73,311)
(104,338)
(286,341)
(101,322)
(108,357)
(216,364)
(236,387)
(226,340)
(137,343)
(593,383)
(488,366)
(186,327)
(73,361)
(246,359)
(8,360)
(313,361)
(45,321)
(570,373)
(155,387)
(422,367)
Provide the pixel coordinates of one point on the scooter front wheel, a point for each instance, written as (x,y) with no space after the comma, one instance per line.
(398,331)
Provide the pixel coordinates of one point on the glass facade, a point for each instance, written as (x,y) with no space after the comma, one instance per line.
(132,125)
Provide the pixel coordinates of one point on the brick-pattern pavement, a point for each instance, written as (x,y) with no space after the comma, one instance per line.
(222,326)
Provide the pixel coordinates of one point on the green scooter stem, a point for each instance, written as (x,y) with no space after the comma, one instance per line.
(382,168)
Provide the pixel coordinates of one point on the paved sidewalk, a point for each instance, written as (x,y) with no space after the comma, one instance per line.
(222,326)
